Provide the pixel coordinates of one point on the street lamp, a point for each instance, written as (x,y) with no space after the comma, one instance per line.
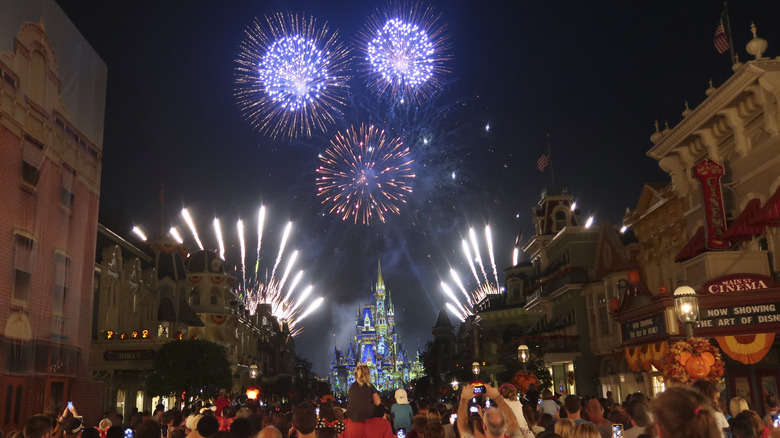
(523,355)
(454,385)
(686,306)
(475,370)
(253,371)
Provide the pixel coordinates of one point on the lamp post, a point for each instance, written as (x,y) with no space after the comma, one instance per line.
(475,370)
(686,306)
(523,355)
(253,372)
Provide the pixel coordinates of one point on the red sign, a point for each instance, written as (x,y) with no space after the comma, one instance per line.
(738,283)
(709,174)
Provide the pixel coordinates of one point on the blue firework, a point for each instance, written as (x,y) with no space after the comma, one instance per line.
(405,52)
(290,76)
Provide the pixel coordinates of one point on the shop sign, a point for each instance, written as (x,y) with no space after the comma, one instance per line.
(709,174)
(128,354)
(645,327)
(753,314)
(738,283)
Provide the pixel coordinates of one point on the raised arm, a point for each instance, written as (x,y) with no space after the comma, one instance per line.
(463,409)
(511,420)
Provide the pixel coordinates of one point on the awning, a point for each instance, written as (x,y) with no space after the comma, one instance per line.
(694,247)
(744,226)
(748,349)
(188,316)
(166,312)
(770,212)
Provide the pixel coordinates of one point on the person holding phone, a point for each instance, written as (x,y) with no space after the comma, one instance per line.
(495,420)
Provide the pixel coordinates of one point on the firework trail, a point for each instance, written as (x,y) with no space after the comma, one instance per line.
(478,257)
(456,312)
(489,239)
(175,233)
(364,174)
(218,232)
(405,51)
(188,220)
(291,76)
(455,277)
(260,223)
(240,226)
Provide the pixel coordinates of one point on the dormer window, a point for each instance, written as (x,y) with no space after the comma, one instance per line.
(560,220)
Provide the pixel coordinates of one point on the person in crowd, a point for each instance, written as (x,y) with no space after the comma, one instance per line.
(207,425)
(227,418)
(509,393)
(376,426)
(149,429)
(548,434)
(710,391)
(532,395)
(547,421)
(221,402)
(548,405)
(115,432)
(72,427)
(176,433)
(531,416)
(103,427)
(771,409)
(610,399)
(564,427)
(573,406)
(742,427)
(638,416)
(586,429)
(681,411)
(496,420)
(269,432)
(419,422)
(90,432)
(304,420)
(434,429)
(363,396)
(37,426)
(737,405)
(241,428)
(596,415)
(619,417)
(760,429)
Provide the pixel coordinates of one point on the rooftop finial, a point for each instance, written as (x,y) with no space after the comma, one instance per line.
(687,110)
(710,90)
(756,46)
(656,136)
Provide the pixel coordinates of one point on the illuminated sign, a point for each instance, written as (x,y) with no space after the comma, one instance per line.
(128,355)
(709,174)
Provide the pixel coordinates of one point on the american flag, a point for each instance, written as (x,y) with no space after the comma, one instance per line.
(543,162)
(721,42)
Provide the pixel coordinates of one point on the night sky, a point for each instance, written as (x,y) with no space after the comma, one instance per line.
(594,75)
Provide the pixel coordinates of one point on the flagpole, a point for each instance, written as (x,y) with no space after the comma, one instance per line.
(725,13)
(549,154)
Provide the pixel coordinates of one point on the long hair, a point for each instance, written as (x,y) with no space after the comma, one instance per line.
(683,411)
(362,375)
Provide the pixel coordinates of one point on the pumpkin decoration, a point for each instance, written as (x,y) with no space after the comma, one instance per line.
(614,303)
(692,359)
(523,380)
(662,289)
(633,277)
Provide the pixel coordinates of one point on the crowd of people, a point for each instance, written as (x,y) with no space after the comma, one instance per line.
(482,411)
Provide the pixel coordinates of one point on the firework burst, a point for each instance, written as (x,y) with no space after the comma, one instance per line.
(405,50)
(290,76)
(364,174)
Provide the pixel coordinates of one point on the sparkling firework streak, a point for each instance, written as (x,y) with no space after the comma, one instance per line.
(405,51)
(176,236)
(255,291)
(456,312)
(188,220)
(364,174)
(240,226)
(218,233)
(484,285)
(291,76)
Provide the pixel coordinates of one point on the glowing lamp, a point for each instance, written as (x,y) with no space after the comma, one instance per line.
(475,369)
(686,306)
(454,385)
(253,371)
(523,354)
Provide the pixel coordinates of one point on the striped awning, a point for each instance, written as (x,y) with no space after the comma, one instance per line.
(694,247)
(745,226)
(770,212)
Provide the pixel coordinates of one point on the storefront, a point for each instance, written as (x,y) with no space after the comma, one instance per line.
(738,313)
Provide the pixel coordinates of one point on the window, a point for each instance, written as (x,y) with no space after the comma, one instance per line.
(66,193)
(60,287)
(195,297)
(560,220)
(23,265)
(214,295)
(603,317)
(32,157)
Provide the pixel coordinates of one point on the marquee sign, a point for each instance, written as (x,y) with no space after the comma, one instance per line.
(709,174)
(128,355)
(738,283)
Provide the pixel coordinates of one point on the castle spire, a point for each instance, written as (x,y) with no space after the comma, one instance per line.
(380,283)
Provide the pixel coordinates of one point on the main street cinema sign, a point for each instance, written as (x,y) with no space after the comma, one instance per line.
(740,303)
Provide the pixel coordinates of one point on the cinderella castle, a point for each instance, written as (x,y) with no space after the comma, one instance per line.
(377,345)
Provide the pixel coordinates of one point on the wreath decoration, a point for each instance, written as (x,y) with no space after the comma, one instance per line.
(523,379)
(692,359)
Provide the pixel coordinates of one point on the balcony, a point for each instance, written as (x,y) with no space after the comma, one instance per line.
(709,265)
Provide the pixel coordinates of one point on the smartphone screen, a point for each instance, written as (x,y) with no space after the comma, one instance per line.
(317,410)
(129,432)
(479,389)
(453,418)
(487,403)
(70,405)
(617,430)
(776,421)
(539,402)
(473,409)
(401,433)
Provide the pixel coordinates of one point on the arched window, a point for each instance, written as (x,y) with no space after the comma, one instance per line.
(214,298)
(560,220)
(195,296)
(36,87)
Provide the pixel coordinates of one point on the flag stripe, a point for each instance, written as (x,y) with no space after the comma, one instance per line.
(721,42)
(543,162)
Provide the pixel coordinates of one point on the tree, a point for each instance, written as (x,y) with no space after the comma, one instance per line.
(196,367)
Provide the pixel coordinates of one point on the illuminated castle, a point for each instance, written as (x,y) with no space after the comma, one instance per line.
(377,345)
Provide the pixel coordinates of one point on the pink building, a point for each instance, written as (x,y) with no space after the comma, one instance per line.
(52,97)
